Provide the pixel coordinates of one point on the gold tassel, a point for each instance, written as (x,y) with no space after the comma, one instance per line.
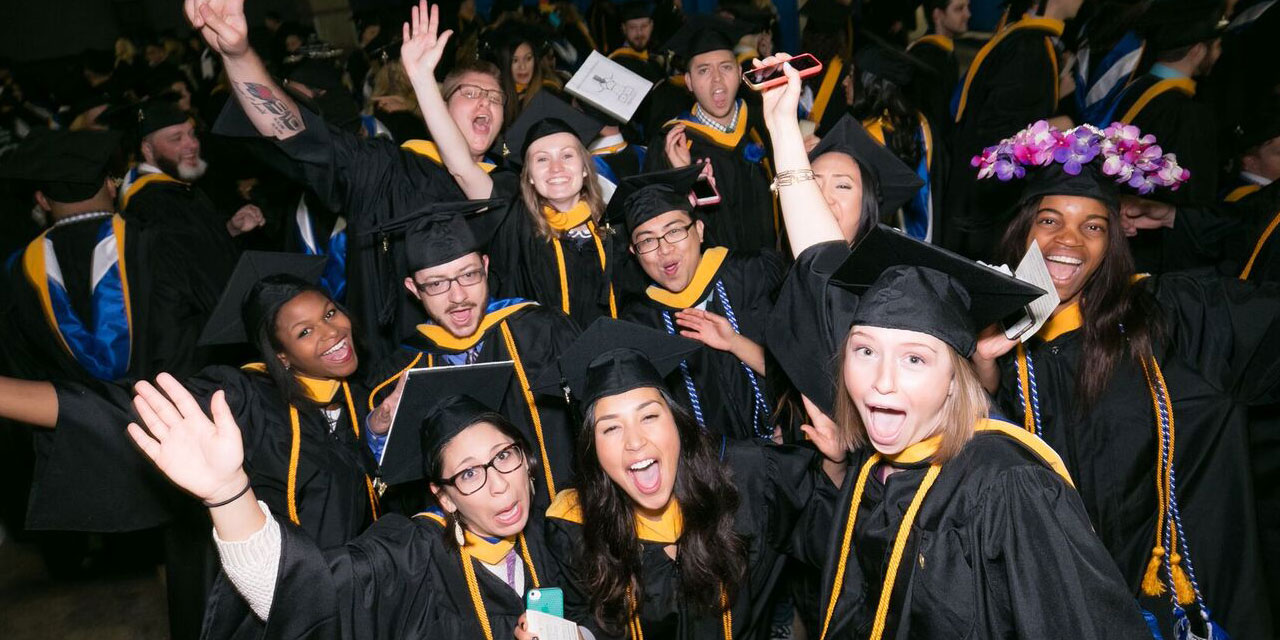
(1181,583)
(1151,584)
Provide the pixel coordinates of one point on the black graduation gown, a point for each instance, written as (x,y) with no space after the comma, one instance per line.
(540,335)
(726,398)
(399,579)
(1001,547)
(933,92)
(747,217)
(527,266)
(371,182)
(1222,356)
(785,496)
(638,62)
(622,163)
(1012,83)
(184,212)
(166,309)
(1258,254)
(1183,126)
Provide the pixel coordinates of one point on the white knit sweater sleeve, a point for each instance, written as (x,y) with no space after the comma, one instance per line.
(252,564)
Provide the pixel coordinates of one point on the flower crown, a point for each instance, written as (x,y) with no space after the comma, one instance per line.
(1129,156)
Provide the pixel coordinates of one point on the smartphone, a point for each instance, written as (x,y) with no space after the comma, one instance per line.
(704,193)
(772,75)
(549,600)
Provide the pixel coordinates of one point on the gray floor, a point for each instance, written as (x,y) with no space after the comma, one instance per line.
(107,608)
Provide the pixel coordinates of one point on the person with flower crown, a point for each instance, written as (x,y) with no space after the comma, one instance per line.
(1142,384)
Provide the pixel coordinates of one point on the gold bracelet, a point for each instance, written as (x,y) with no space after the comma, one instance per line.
(790,177)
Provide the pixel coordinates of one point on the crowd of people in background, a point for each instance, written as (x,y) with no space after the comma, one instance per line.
(417,327)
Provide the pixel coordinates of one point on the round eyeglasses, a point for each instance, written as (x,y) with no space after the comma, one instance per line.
(473,479)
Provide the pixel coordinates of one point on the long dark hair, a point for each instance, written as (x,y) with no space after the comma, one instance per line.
(434,466)
(878,97)
(259,312)
(711,555)
(1119,317)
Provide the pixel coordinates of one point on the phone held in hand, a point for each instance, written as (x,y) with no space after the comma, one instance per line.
(705,194)
(544,613)
(772,75)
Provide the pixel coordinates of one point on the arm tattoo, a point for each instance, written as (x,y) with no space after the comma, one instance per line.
(265,101)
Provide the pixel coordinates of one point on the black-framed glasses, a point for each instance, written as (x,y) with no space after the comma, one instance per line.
(438,287)
(475,92)
(676,234)
(473,479)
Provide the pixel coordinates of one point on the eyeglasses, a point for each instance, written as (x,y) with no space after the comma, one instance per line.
(474,92)
(473,479)
(438,287)
(676,234)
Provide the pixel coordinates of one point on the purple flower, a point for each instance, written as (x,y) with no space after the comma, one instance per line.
(1076,148)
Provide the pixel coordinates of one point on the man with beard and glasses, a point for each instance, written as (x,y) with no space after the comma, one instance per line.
(161,195)
(448,275)
(371,182)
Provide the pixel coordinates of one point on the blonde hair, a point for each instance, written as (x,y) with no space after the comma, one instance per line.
(964,407)
(534,202)
(391,80)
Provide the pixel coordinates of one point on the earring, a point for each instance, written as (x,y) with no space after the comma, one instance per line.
(458,535)
(533,488)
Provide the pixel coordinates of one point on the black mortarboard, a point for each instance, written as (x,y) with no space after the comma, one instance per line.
(826,16)
(1053,180)
(612,357)
(754,18)
(545,115)
(67,166)
(642,197)
(907,284)
(634,11)
(445,231)
(160,81)
(316,74)
(1260,125)
(154,115)
(231,318)
(897,183)
(887,61)
(1172,24)
(437,404)
(702,33)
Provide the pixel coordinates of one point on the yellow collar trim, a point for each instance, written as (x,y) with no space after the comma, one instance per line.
(609,150)
(428,149)
(1062,322)
(628,52)
(918,452)
(143,181)
(445,340)
(677,80)
(925,449)
(1185,85)
(487,552)
(1053,28)
(1240,192)
(728,140)
(320,390)
(666,530)
(703,276)
(562,221)
(937,40)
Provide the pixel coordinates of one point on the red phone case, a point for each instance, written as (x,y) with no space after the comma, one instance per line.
(804,73)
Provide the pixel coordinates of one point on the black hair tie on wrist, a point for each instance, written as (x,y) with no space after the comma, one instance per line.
(228,501)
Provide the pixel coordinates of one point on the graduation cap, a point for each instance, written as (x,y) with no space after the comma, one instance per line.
(546,115)
(1173,24)
(1053,180)
(612,357)
(702,33)
(227,324)
(1260,125)
(826,16)
(67,166)
(316,74)
(896,182)
(445,231)
(907,284)
(438,403)
(148,117)
(634,11)
(887,61)
(642,197)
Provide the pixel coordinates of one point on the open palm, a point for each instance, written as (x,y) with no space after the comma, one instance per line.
(423,45)
(202,456)
(221,23)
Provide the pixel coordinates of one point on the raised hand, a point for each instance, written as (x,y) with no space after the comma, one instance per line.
(677,148)
(382,417)
(221,23)
(246,219)
(823,433)
(203,456)
(422,47)
(782,102)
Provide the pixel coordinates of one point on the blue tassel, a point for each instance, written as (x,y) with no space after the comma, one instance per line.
(1152,624)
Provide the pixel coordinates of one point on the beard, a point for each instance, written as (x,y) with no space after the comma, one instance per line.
(187,173)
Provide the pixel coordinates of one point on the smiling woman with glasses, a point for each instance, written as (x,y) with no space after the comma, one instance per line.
(473,479)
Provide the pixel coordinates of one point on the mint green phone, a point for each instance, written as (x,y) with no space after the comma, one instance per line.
(549,600)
